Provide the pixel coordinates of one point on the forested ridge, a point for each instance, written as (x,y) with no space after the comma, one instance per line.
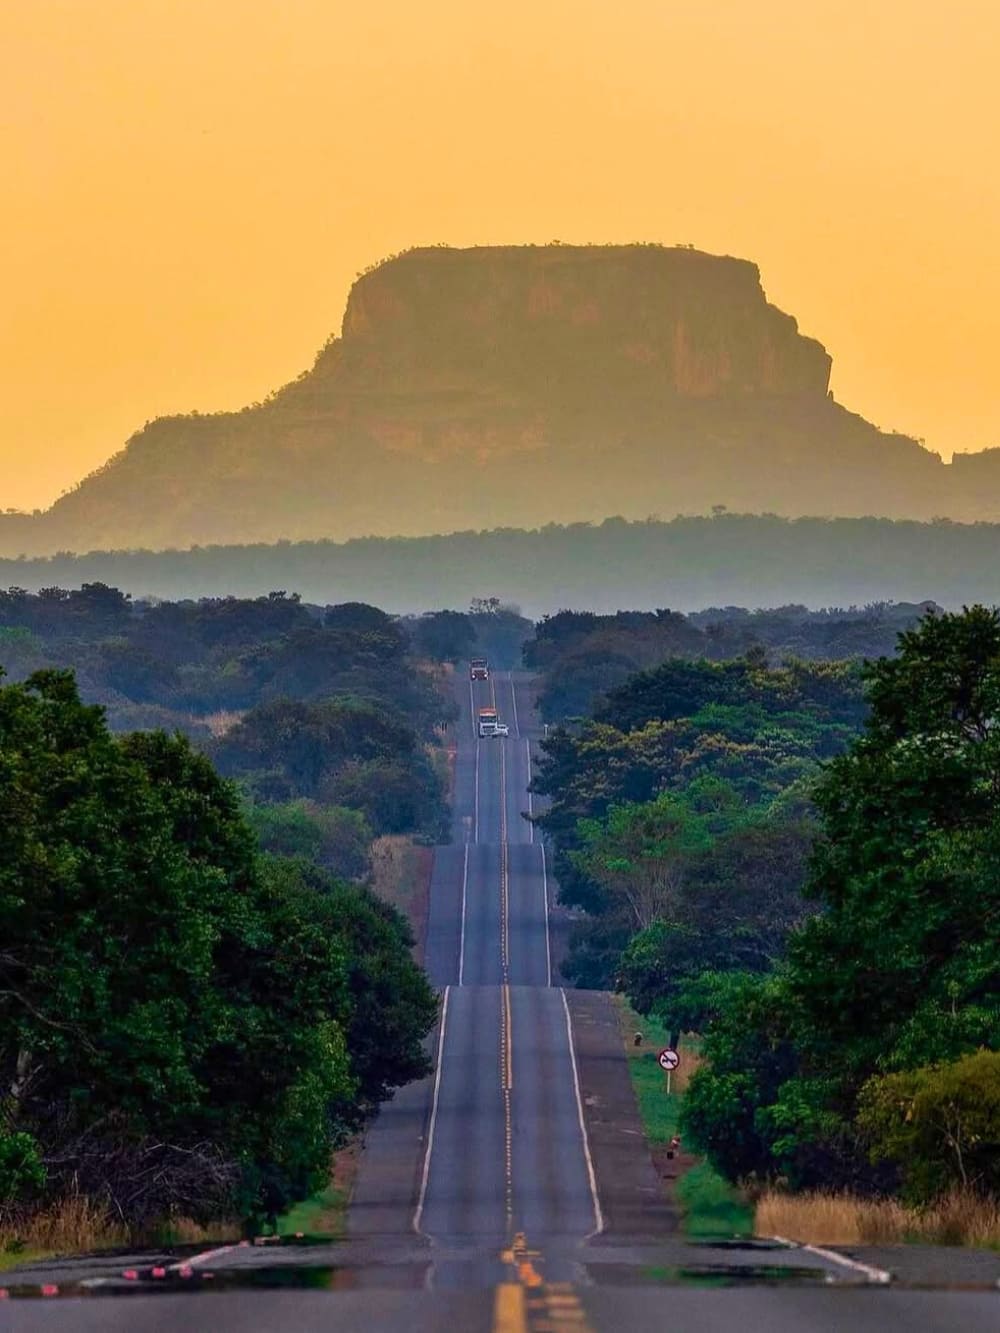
(750,560)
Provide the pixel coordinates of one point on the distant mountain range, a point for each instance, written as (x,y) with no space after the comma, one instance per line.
(515,386)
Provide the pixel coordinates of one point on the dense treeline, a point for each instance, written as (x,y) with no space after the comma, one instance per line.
(746,559)
(200,994)
(800,863)
(185,1026)
(684,793)
(326,715)
(871,1055)
(580,655)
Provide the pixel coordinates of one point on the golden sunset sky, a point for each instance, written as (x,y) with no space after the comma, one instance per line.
(192,185)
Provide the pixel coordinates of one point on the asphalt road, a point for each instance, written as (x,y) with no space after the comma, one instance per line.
(508,1153)
(478,1202)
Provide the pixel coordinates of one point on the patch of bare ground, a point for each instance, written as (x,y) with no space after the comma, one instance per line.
(401,875)
(222,721)
(823,1217)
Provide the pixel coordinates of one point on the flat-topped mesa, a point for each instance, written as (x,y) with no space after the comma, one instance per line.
(518,386)
(548,318)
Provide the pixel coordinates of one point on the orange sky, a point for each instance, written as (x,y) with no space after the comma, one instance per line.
(193,184)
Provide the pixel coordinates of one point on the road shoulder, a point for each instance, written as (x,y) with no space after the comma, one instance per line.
(631,1195)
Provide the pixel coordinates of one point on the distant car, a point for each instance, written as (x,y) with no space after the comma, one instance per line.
(479,669)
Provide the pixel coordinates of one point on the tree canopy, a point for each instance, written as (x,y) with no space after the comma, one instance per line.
(900,966)
(159,983)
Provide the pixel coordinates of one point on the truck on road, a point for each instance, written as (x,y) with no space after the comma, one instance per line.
(479,669)
(489,724)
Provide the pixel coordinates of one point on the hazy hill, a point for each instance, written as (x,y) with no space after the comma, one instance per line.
(519,385)
(735,559)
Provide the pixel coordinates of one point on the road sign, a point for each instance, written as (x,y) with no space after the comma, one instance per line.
(668,1059)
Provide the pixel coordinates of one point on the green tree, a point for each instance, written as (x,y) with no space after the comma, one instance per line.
(158,986)
(332,836)
(444,636)
(940,1124)
(903,958)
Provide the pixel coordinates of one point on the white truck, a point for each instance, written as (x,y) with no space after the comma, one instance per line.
(489,723)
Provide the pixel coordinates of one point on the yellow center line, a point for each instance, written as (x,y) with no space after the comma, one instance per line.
(508,1309)
(509,1070)
(506,1025)
(506,1084)
(542,1307)
(504,872)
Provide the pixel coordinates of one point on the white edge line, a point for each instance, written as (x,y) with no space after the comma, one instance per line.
(531,811)
(598,1214)
(879,1275)
(461,939)
(513,702)
(206,1255)
(419,1212)
(472,709)
(545,902)
(475,822)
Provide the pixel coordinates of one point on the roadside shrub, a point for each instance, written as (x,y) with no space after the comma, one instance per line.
(940,1124)
(22,1173)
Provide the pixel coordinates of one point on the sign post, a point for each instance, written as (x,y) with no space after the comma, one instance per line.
(668,1060)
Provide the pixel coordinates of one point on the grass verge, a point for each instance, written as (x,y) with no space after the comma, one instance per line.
(325,1213)
(15,1257)
(322,1215)
(711,1206)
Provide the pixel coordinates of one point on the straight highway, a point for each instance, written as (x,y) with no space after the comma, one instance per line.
(507,1150)
(509,1192)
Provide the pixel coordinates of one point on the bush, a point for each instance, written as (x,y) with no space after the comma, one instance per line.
(22,1173)
(939,1124)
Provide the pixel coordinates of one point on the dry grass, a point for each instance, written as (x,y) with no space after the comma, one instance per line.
(186,1231)
(826,1218)
(77,1225)
(401,875)
(691,1062)
(73,1225)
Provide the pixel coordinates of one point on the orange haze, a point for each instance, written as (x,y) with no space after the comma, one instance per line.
(193,184)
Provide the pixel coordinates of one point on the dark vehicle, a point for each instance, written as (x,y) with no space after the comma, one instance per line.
(479,669)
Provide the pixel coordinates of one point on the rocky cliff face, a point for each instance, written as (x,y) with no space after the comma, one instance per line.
(517,318)
(519,386)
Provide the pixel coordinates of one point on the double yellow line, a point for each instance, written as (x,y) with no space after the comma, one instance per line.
(506,1022)
(531,1304)
(506,1090)
(504,874)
